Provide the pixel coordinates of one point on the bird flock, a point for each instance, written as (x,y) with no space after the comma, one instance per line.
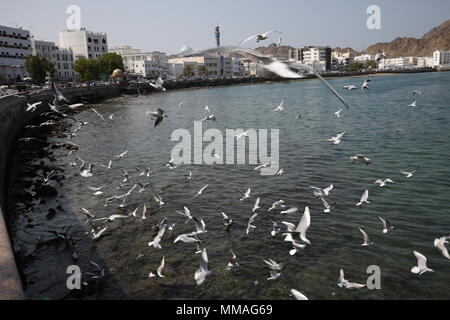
(286,232)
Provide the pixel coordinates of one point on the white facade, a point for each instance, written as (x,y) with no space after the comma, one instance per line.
(144,64)
(212,64)
(61,58)
(441,60)
(237,67)
(84,43)
(15,47)
(365,57)
(398,63)
(425,62)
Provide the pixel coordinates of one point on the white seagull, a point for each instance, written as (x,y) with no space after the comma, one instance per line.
(440,245)
(364,199)
(408,174)
(421,267)
(280,107)
(298,295)
(382,183)
(201,190)
(365,238)
(386,225)
(338,138)
(159,270)
(156,243)
(365,85)
(202,272)
(344,283)
(338,113)
(32,107)
(259,37)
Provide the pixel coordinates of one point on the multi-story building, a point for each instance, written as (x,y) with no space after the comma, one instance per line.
(213,65)
(441,60)
(84,43)
(61,58)
(143,64)
(425,62)
(314,56)
(398,63)
(341,59)
(365,58)
(237,67)
(15,47)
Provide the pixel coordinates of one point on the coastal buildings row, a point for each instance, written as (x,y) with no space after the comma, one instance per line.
(15,47)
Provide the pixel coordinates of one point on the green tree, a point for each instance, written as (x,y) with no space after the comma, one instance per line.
(188,70)
(110,62)
(371,64)
(355,66)
(203,70)
(89,69)
(38,67)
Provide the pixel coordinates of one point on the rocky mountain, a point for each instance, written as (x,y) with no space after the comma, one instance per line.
(436,39)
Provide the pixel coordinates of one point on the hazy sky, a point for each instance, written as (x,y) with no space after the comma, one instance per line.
(168,25)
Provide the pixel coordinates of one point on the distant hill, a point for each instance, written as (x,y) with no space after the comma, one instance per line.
(436,39)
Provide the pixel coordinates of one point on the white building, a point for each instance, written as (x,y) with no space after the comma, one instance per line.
(213,65)
(365,58)
(84,43)
(398,63)
(143,64)
(61,58)
(425,62)
(320,57)
(237,67)
(441,60)
(15,47)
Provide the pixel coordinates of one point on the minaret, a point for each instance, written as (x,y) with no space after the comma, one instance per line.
(217,36)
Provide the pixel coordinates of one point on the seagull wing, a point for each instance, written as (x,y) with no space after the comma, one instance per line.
(249,38)
(365,236)
(161,267)
(421,260)
(304,224)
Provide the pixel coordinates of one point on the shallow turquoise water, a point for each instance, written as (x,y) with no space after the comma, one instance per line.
(418,207)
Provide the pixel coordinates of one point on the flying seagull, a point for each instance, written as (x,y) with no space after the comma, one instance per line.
(365,238)
(280,107)
(364,199)
(156,243)
(259,37)
(186,214)
(159,270)
(298,295)
(344,283)
(382,183)
(440,245)
(338,138)
(322,193)
(245,195)
(365,85)
(350,87)
(202,272)
(158,114)
(421,267)
(386,225)
(338,113)
(360,158)
(408,174)
(158,85)
(414,104)
(201,190)
(32,107)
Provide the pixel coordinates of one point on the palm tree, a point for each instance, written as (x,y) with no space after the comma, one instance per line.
(203,70)
(188,70)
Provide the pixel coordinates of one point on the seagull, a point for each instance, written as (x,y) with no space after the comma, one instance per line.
(186,238)
(200,226)
(98,114)
(416,92)
(298,116)
(414,104)
(96,236)
(158,85)
(289,211)
(111,116)
(351,87)
(202,272)
(280,172)
(343,283)
(245,195)
(361,158)
(298,295)
(84,172)
(189,176)
(46,178)
(57,94)
(250,226)
(365,85)
(156,243)
(274,268)
(112,218)
(158,114)
(276,230)
(209,118)
(159,270)
(338,138)
(338,113)
(257,206)
(171,165)
(87,213)
(180,105)
(322,193)
(280,107)
(421,264)
(207,109)
(33,107)
(440,245)
(186,213)
(140,211)
(201,190)
(263,166)
(120,156)
(278,205)
(97,190)
(327,206)
(303,226)
(364,199)
(386,225)
(382,183)
(227,221)
(259,37)
(366,238)
(233,261)
(159,200)
(408,174)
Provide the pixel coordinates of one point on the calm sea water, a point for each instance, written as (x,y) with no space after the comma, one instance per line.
(418,207)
